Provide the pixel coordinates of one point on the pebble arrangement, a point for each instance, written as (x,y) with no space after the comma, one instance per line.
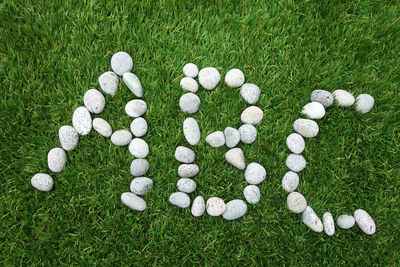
(82,124)
(308,128)
(254,174)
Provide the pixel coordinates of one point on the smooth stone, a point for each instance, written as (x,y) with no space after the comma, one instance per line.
(232,137)
(235,157)
(190,70)
(191,131)
(139,127)
(215,206)
(184,154)
(69,137)
(248,133)
(234,78)
(188,170)
(121,137)
(189,103)
(314,110)
(252,194)
(94,101)
(82,121)
(295,162)
(108,82)
(209,78)
(139,167)
(290,181)
(255,173)
(121,62)
(216,139)
(311,219)
(329,224)
(295,142)
(102,127)
(343,98)
(322,96)
(133,201)
(345,221)
(139,148)
(42,182)
(189,84)
(186,185)
(296,202)
(133,83)
(250,93)
(364,103)
(179,199)
(365,221)
(56,159)
(198,206)
(135,108)
(252,115)
(140,185)
(235,209)
(305,127)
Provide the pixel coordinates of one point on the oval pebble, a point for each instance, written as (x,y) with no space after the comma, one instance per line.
(295,142)
(133,83)
(290,181)
(108,82)
(82,121)
(179,199)
(235,157)
(252,194)
(232,137)
(295,162)
(121,62)
(133,201)
(314,110)
(209,78)
(139,167)
(365,221)
(311,219)
(296,202)
(139,148)
(248,133)
(135,108)
(184,154)
(364,103)
(343,98)
(139,127)
(215,206)
(102,127)
(250,93)
(322,96)
(234,78)
(190,70)
(42,182)
(255,173)
(121,137)
(252,115)
(235,209)
(69,137)
(186,185)
(305,127)
(94,101)
(189,84)
(140,185)
(329,224)
(198,206)
(188,170)
(216,139)
(191,131)
(189,103)
(56,159)
(345,221)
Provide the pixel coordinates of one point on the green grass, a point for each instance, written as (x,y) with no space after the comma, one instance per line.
(51,53)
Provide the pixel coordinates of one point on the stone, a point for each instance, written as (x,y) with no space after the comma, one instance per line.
(121,137)
(295,162)
(135,108)
(252,115)
(184,154)
(56,159)
(82,121)
(140,185)
(365,221)
(235,157)
(343,98)
(69,137)
(190,70)
(232,137)
(94,101)
(189,84)
(290,181)
(108,82)
(364,103)
(133,83)
(234,209)
(252,194)
(198,206)
(311,219)
(234,78)
(121,62)
(139,127)
(139,167)
(191,131)
(209,78)
(139,148)
(250,93)
(345,221)
(133,201)
(295,142)
(329,224)
(314,110)
(215,206)
(179,199)
(186,185)
(296,202)
(305,127)
(102,127)
(188,170)
(42,182)
(322,96)
(216,139)
(255,173)
(189,103)
(248,133)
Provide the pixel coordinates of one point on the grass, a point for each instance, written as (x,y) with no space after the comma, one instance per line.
(53,51)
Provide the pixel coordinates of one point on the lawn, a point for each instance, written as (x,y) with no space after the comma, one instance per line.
(52,52)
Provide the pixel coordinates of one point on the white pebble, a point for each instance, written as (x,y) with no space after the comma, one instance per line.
(82,121)
(232,137)
(69,137)
(139,127)
(305,127)
(295,143)
(234,209)
(198,206)
(209,78)
(365,221)
(139,167)
(290,181)
(235,157)
(133,83)
(215,206)
(252,194)
(216,139)
(189,103)
(191,131)
(322,96)
(311,219)
(42,182)
(296,202)
(314,110)
(329,224)
(133,201)
(102,127)
(250,93)
(190,70)
(121,62)
(121,138)
(108,82)
(186,185)
(188,170)
(295,162)
(135,108)
(234,78)
(94,101)
(345,221)
(140,185)
(139,148)
(184,154)
(179,199)
(343,98)
(189,84)
(56,159)
(364,103)
(252,115)
(248,133)
(255,173)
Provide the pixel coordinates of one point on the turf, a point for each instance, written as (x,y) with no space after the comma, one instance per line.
(53,51)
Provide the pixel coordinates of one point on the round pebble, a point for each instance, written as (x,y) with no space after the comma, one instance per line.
(305,127)
(189,84)
(255,173)
(235,209)
(135,108)
(184,154)
(69,137)
(290,181)
(140,185)
(252,194)
(139,167)
(121,62)
(189,103)
(296,202)
(234,78)
(364,103)
(56,159)
(198,206)
(138,148)
(311,219)
(250,93)
(314,110)
(322,96)
(216,139)
(82,121)
(343,98)
(133,83)
(190,70)
(133,201)
(235,157)
(179,199)
(209,78)
(188,170)
(232,137)
(108,82)
(139,127)
(295,143)
(215,206)
(186,185)
(102,127)
(94,101)
(191,131)
(329,224)
(365,221)
(248,133)
(295,162)
(42,182)
(252,115)
(345,221)
(121,137)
